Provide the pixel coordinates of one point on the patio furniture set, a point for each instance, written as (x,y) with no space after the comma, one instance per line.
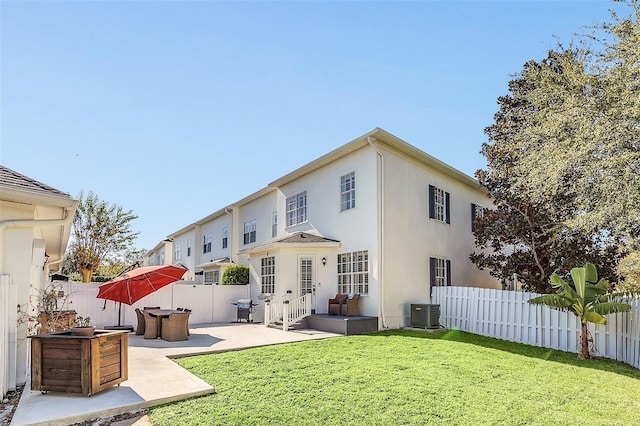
(171,325)
(345,306)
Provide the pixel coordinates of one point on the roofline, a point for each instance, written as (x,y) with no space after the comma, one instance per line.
(381,136)
(278,245)
(25,196)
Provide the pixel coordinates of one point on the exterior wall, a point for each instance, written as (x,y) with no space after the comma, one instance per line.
(354,228)
(22,256)
(190,261)
(411,237)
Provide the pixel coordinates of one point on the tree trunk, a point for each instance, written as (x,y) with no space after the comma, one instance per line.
(87,274)
(584,342)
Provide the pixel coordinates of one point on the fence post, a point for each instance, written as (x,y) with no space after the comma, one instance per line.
(267,312)
(285,315)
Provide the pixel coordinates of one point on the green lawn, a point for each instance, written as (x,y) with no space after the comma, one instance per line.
(407,378)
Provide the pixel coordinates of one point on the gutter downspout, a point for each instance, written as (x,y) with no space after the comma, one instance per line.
(380,184)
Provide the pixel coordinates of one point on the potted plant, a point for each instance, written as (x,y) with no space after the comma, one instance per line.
(83,327)
(50,316)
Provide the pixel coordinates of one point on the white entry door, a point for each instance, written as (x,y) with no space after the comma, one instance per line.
(306,278)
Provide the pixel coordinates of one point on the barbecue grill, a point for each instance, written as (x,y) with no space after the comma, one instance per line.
(245,308)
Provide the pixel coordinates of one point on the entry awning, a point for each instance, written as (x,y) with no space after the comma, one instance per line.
(215,263)
(299,239)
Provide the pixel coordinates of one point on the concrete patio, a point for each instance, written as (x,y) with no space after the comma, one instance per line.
(153,377)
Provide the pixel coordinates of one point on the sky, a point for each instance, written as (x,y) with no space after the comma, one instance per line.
(174,110)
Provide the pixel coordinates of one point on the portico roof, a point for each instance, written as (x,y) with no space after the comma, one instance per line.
(299,239)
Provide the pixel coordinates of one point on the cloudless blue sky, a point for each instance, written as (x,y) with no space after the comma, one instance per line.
(177,109)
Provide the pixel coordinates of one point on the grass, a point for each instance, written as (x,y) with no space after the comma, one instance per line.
(407,378)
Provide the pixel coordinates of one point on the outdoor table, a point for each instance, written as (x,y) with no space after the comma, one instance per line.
(159,314)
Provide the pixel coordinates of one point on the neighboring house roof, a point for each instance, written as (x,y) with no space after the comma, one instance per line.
(299,239)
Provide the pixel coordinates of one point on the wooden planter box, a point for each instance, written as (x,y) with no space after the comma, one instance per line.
(62,362)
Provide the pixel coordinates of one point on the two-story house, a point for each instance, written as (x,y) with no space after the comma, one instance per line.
(375,217)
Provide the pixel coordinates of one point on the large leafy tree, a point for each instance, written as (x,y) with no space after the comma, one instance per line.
(100,231)
(521,238)
(581,138)
(586,297)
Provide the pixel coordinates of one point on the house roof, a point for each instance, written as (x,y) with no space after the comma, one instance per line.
(19,188)
(377,136)
(13,179)
(299,239)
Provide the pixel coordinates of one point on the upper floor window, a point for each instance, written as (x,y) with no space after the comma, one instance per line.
(225,238)
(177,251)
(439,204)
(440,272)
(188,247)
(477,211)
(268,274)
(353,272)
(206,243)
(274,224)
(297,208)
(348,191)
(250,232)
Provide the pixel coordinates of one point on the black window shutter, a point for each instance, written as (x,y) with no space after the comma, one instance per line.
(473,217)
(432,271)
(432,206)
(448,266)
(446,208)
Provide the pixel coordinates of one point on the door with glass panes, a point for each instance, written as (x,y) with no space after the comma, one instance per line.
(306,278)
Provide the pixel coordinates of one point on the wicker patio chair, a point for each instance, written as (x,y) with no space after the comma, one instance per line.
(187,323)
(150,326)
(335,304)
(140,327)
(350,308)
(174,328)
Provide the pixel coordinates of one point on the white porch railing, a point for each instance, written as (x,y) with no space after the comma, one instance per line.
(274,308)
(296,310)
(287,311)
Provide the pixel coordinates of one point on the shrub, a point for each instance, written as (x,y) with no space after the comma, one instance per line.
(236,275)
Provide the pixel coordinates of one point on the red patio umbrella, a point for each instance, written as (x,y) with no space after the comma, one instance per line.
(135,284)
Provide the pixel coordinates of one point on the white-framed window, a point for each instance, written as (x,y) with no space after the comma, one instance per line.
(353,272)
(212,277)
(250,232)
(439,272)
(268,274)
(206,243)
(477,211)
(188,247)
(348,191)
(274,224)
(439,201)
(297,208)
(177,251)
(225,238)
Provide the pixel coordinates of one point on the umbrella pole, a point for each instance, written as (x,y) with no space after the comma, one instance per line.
(119,311)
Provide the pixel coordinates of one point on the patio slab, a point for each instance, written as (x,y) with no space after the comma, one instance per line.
(153,377)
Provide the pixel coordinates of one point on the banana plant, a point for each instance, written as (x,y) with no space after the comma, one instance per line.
(588,299)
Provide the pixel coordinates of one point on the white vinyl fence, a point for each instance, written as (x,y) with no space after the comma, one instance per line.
(507,315)
(209,303)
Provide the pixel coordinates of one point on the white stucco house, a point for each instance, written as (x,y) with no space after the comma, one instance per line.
(35,223)
(376,217)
